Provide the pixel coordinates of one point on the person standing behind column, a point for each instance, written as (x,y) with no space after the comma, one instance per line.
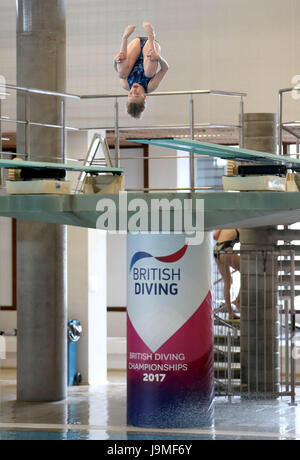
(226,239)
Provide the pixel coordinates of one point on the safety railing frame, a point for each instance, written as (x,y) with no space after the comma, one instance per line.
(117,128)
(286,126)
(289,313)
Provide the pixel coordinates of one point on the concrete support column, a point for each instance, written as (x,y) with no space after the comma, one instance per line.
(260,132)
(259,272)
(42,262)
(259,314)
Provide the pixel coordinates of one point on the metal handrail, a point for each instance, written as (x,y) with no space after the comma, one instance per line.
(64,96)
(285,126)
(225,323)
(34,123)
(169,93)
(118,95)
(39,91)
(164,126)
(191,124)
(286,90)
(290,131)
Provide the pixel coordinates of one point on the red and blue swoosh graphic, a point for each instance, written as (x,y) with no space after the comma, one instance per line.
(165,259)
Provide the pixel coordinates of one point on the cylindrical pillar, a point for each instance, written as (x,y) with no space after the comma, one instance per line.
(42,317)
(170,377)
(260,132)
(260,360)
(259,286)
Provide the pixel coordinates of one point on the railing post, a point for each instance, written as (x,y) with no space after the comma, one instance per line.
(242,123)
(192,135)
(229,364)
(117,136)
(63,131)
(27,126)
(280,123)
(287,306)
(293,331)
(1,146)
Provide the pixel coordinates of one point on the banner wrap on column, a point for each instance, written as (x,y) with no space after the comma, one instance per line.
(170,376)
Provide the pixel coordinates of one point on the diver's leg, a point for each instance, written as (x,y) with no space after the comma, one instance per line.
(235,264)
(124,42)
(224,270)
(150,67)
(133,52)
(128,54)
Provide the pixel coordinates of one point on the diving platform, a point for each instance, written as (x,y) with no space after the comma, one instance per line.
(116,212)
(221,209)
(224,152)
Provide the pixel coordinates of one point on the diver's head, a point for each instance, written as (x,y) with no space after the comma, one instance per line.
(136,102)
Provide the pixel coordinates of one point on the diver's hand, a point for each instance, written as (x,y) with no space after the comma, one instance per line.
(153,56)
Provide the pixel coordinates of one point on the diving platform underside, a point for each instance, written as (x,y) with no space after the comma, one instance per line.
(221,210)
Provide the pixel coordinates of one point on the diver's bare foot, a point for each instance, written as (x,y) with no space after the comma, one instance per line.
(129,31)
(149,30)
(233,317)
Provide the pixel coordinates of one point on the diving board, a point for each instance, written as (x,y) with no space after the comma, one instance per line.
(94,170)
(224,152)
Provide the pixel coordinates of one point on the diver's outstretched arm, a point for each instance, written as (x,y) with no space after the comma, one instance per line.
(164,67)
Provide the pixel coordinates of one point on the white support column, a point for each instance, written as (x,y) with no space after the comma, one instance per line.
(87,283)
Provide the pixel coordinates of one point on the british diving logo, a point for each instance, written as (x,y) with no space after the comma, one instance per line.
(156,280)
(166,259)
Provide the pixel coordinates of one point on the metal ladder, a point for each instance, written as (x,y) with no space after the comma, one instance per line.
(98,142)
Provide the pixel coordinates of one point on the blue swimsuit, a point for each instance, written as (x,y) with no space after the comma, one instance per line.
(137,74)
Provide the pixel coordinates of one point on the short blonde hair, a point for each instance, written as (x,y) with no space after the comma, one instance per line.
(135,109)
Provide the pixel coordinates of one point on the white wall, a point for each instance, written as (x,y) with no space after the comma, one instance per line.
(116,324)
(221,44)
(8,320)
(8,55)
(163,171)
(116,270)
(133,168)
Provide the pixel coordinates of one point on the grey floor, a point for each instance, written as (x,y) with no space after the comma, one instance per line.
(100,413)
